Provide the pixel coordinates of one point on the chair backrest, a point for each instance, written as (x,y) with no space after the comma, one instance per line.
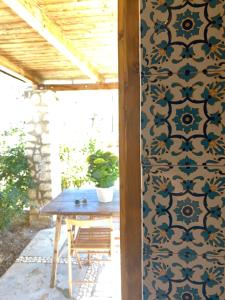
(104,222)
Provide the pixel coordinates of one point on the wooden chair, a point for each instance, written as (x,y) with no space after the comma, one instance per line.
(88,236)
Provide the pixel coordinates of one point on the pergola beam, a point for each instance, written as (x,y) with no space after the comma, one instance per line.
(9,67)
(35,17)
(80,86)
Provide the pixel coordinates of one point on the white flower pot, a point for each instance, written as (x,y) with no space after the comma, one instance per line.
(105,194)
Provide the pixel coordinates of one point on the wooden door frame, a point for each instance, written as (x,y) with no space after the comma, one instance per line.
(129,139)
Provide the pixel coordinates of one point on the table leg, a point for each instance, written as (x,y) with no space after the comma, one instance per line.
(56,251)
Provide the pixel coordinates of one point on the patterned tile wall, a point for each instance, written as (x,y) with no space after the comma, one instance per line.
(183,149)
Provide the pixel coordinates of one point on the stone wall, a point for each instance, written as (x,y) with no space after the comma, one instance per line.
(42,151)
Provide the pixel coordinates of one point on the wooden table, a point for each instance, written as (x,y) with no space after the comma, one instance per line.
(64,205)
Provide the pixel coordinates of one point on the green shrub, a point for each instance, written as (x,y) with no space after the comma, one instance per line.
(74,164)
(15,177)
(103,168)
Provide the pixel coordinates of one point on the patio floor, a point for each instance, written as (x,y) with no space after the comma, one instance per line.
(29,277)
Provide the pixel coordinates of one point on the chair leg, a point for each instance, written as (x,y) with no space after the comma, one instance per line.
(69,263)
(78,259)
(89,258)
(112,241)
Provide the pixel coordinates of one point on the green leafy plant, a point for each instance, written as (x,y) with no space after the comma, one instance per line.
(74,165)
(15,177)
(103,168)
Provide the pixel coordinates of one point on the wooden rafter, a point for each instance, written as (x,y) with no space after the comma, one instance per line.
(80,86)
(8,66)
(35,17)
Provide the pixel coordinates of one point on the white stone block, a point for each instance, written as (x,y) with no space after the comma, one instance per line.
(30,127)
(46,149)
(36,118)
(45,187)
(45,176)
(31,137)
(48,195)
(45,117)
(35,99)
(32,194)
(45,138)
(38,129)
(37,158)
(29,152)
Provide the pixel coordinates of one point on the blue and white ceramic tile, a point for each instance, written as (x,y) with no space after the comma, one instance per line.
(183,276)
(180,119)
(185,206)
(183,148)
(173,31)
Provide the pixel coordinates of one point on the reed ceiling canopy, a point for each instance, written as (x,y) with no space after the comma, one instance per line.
(59,41)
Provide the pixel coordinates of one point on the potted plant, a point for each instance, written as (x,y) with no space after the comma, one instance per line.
(103,170)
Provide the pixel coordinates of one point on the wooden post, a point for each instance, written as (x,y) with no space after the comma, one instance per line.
(56,251)
(70,279)
(130,168)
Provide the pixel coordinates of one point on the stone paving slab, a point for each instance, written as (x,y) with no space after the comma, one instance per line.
(42,243)
(29,277)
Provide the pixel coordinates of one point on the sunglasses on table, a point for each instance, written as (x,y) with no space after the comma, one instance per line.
(81,201)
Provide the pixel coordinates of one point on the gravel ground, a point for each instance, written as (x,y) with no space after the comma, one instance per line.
(12,243)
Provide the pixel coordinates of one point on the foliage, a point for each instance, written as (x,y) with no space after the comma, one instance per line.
(74,165)
(15,177)
(103,168)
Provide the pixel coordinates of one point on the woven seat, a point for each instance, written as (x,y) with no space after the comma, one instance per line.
(88,236)
(93,238)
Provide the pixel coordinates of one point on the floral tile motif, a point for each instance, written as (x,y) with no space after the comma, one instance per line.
(185,206)
(173,31)
(183,276)
(183,149)
(182,119)
(188,72)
